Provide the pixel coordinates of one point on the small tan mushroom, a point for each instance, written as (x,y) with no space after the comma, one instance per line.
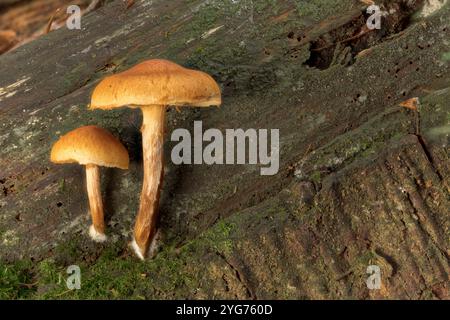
(152,86)
(93,147)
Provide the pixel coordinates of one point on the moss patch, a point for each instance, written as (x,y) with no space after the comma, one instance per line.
(15,280)
(115,274)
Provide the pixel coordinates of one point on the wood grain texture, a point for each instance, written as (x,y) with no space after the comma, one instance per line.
(358,183)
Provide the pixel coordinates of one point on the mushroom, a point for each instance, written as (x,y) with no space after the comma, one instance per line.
(152,86)
(93,147)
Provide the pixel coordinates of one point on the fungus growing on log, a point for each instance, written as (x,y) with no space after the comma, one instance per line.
(152,86)
(93,147)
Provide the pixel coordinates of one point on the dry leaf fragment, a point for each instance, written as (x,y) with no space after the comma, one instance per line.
(48,28)
(412,103)
(129,3)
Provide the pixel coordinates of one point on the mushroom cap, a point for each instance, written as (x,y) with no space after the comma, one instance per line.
(156,82)
(90,145)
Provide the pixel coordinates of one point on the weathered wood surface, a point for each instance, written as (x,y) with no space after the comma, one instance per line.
(361,182)
(24,21)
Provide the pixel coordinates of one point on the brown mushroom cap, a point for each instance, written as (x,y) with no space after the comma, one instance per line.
(90,145)
(156,82)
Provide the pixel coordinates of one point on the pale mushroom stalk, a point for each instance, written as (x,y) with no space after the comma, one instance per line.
(97,229)
(152,146)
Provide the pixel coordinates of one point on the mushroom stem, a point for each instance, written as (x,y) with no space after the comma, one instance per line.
(152,146)
(97,230)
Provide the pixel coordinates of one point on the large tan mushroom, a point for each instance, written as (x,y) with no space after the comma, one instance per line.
(93,147)
(152,86)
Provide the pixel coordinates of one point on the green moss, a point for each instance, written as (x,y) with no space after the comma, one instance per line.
(61,185)
(316,176)
(358,144)
(219,237)
(16,280)
(320,9)
(73,77)
(112,275)
(446,56)
(204,19)
(262,7)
